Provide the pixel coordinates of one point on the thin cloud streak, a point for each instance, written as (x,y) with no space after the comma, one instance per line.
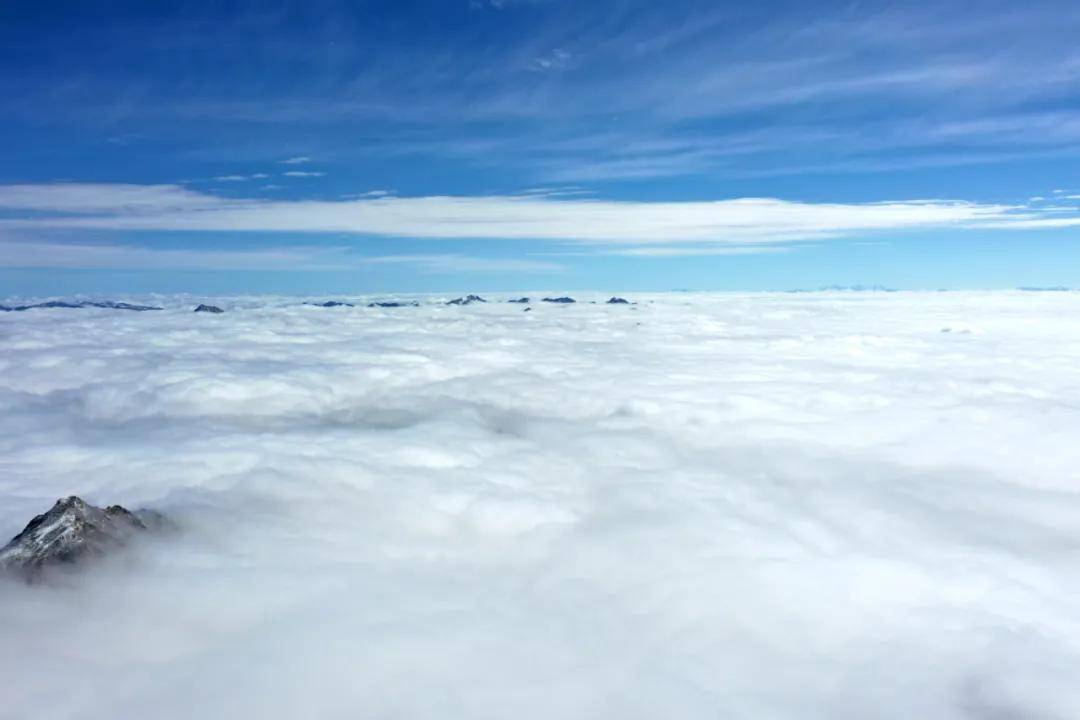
(651,251)
(732,221)
(75,256)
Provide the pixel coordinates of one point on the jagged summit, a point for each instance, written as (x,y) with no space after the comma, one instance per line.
(214,309)
(467,300)
(71,531)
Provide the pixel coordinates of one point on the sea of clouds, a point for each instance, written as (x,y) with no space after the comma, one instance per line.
(826,505)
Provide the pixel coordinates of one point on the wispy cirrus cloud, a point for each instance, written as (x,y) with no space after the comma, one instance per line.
(668,251)
(530,217)
(557,59)
(31,254)
(240,178)
(306,258)
(114,198)
(869,81)
(451,263)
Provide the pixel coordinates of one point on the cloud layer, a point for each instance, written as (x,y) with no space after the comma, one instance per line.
(790,506)
(530,216)
(305,258)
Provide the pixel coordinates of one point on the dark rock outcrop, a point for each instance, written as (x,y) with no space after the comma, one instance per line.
(563,300)
(393,304)
(119,306)
(331,304)
(209,309)
(618,301)
(467,300)
(519,300)
(71,532)
(108,304)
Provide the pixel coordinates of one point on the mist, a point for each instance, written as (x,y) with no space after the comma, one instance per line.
(822,505)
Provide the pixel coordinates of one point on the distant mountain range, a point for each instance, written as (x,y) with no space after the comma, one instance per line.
(82,304)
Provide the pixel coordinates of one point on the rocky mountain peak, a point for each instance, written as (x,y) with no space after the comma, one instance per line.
(71,531)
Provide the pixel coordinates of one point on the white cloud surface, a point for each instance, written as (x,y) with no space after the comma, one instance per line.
(783,506)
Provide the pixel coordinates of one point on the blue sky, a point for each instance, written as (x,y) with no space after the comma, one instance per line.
(330,147)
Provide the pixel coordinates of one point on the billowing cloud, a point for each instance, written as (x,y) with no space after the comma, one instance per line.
(700,506)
